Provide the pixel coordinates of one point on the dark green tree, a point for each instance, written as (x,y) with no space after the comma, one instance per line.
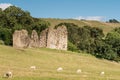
(113,39)
(14,18)
(6,36)
(113,21)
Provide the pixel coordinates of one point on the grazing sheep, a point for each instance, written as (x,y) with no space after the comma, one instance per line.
(79,71)
(59,69)
(102,73)
(8,75)
(33,67)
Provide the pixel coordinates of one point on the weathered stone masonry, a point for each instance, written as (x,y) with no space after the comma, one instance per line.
(49,38)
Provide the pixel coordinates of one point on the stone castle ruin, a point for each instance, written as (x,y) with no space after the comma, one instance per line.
(49,38)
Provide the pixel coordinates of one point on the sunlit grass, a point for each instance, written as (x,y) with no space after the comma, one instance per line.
(18,61)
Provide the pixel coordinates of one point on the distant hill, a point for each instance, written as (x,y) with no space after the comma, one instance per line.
(103,25)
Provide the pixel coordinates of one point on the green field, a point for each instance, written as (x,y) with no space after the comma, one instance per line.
(18,61)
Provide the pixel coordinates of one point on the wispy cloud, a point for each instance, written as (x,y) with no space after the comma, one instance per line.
(97,18)
(3,6)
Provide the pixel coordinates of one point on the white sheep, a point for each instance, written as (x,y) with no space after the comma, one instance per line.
(8,74)
(102,73)
(59,69)
(33,67)
(79,71)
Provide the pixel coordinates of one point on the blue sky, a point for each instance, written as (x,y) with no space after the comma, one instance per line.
(78,9)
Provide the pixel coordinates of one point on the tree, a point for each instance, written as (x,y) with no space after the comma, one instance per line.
(85,39)
(104,50)
(113,39)
(14,18)
(16,15)
(6,36)
(3,18)
(113,21)
(117,30)
(40,25)
(97,33)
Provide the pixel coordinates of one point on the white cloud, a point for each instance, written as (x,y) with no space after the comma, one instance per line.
(79,18)
(3,6)
(97,18)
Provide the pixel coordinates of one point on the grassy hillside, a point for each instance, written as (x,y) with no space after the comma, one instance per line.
(47,61)
(105,26)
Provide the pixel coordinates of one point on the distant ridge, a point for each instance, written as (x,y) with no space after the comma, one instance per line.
(103,25)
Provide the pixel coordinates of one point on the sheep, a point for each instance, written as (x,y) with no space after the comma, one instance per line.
(33,67)
(59,69)
(79,71)
(102,73)
(8,74)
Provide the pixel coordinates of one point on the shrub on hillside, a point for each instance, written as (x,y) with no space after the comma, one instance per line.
(72,47)
(105,51)
(6,36)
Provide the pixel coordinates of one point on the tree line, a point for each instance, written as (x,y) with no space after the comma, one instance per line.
(93,41)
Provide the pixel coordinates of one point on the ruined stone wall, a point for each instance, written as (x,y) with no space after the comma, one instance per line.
(34,40)
(49,38)
(62,37)
(43,38)
(21,39)
(52,38)
(57,38)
